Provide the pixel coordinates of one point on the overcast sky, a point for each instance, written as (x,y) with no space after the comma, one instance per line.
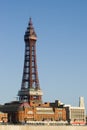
(61,27)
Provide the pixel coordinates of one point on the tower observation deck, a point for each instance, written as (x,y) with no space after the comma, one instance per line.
(30,88)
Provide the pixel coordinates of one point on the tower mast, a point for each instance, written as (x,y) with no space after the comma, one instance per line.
(30,87)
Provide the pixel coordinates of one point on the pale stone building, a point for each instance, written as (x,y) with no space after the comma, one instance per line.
(76,115)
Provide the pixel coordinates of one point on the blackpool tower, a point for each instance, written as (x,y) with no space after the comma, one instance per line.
(30,88)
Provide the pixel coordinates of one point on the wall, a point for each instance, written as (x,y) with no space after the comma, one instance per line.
(27,127)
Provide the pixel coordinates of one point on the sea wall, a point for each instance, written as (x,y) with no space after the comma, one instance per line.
(27,127)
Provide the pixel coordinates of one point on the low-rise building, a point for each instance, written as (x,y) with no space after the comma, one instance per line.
(24,112)
(44,112)
(76,115)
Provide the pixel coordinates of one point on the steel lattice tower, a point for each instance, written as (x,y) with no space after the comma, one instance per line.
(30,87)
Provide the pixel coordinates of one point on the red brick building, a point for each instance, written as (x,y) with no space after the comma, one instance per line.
(3,117)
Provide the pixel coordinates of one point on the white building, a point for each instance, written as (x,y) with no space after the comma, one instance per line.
(76,115)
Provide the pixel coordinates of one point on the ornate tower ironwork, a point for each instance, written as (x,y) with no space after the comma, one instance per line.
(30,87)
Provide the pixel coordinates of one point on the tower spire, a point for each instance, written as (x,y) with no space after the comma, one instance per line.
(30,33)
(30,88)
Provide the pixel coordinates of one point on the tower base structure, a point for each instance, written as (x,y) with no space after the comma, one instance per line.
(34,96)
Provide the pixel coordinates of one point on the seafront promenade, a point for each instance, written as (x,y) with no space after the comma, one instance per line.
(28,127)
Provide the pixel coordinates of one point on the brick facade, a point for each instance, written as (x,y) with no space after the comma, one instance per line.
(3,117)
(40,113)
